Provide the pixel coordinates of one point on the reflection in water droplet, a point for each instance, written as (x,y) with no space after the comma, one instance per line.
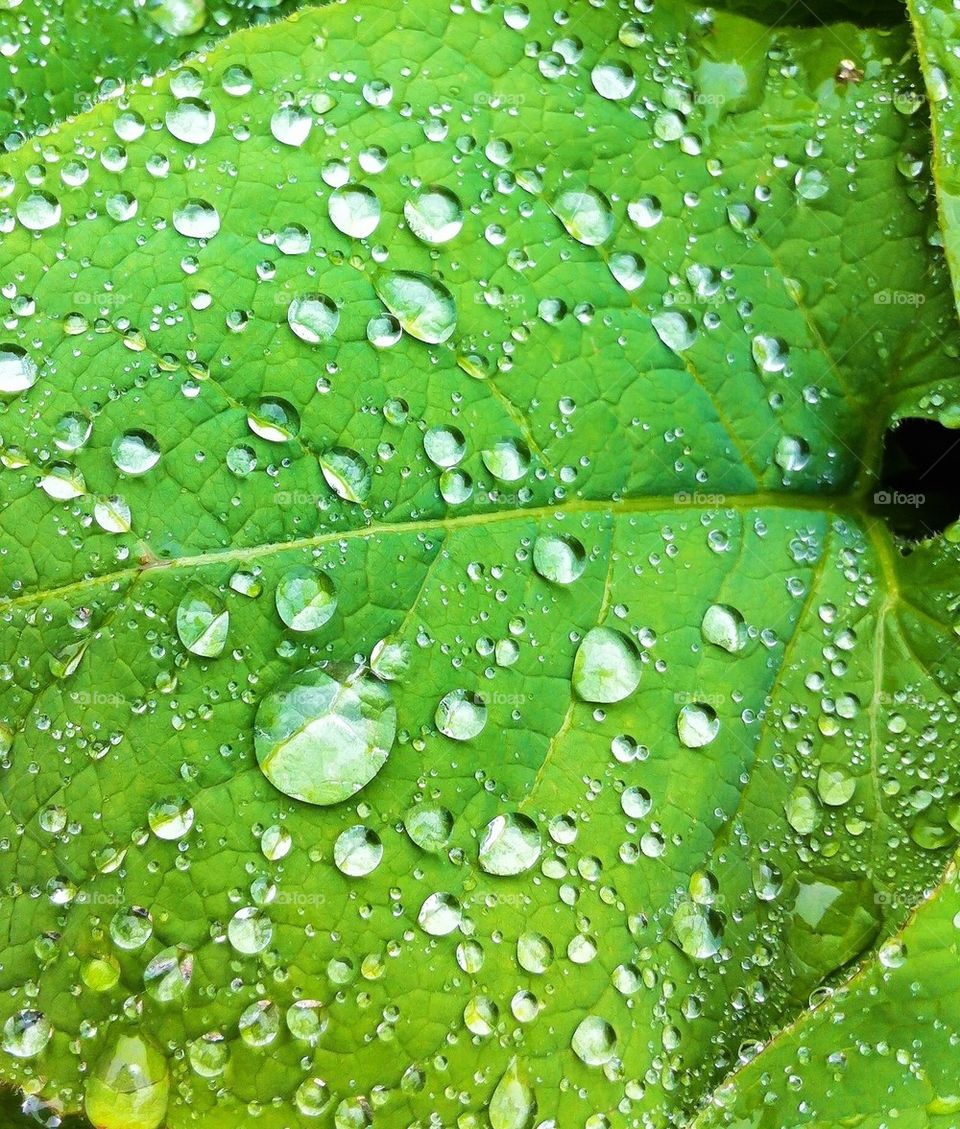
(429,826)
(586,214)
(129,1087)
(440,914)
(202,623)
(306,598)
(507,460)
(461,715)
(594,1041)
(196,219)
(291,125)
(354,210)
(38,211)
(357,851)
(434,215)
(559,558)
(676,329)
(135,452)
(325,733)
(724,627)
(191,120)
(346,473)
(613,80)
(423,306)
(18,370)
(698,929)
(272,419)
(510,844)
(26,1033)
(697,725)
(606,667)
(313,318)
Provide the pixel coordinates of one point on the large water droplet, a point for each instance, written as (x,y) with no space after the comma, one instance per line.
(346,473)
(129,1087)
(313,318)
(325,733)
(586,214)
(202,623)
(510,844)
(434,215)
(698,930)
(291,125)
(196,219)
(357,851)
(461,715)
(135,452)
(511,1104)
(18,370)
(676,329)
(697,725)
(559,558)
(191,120)
(606,667)
(38,211)
(594,1041)
(272,419)
(614,81)
(355,210)
(423,306)
(306,598)
(724,627)
(26,1033)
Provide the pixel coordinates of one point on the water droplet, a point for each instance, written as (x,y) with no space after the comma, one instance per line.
(357,851)
(429,826)
(313,318)
(170,819)
(202,623)
(510,844)
(791,453)
(434,215)
(135,452)
(511,1104)
(346,473)
(835,785)
(272,419)
(325,733)
(594,1041)
(614,81)
(534,953)
(461,715)
(18,370)
(811,184)
(440,914)
(306,598)
(676,329)
(167,977)
(628,269)
(606,667)
(698,930)
(291,125)
(769,353)
(39,211)
(354,210)
(507,460)
(444,446)
(191,120)
(129,1087)
(196,219)
(423,306)
(26,1033)
(697,725)
(645,212)
(586,214)
(249,931)
(724,627)
(803,811)
(560,559)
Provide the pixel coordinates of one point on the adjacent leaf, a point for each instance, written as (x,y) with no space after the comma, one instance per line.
(498,417)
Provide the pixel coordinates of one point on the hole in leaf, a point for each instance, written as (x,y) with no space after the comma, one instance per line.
(917,494)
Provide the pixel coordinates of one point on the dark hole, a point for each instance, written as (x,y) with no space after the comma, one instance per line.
(812,13)
(918,494)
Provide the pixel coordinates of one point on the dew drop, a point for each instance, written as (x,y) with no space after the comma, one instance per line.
(606,667)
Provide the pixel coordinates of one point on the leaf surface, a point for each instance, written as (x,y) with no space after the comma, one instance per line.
(353,414)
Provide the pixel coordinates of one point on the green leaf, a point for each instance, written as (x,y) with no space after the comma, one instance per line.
(58,57)
(936,24)
(455,668)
